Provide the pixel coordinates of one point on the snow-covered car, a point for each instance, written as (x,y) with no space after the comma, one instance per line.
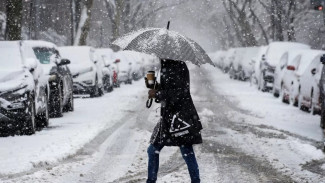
(24,89)
(291,78)
(309,94)
(245,69)
(124,66)
(281,69)
(218,58)
(229,58)
(235,64)
(322,93)
(273,54)
(105,55)
(87,75)
(60,78)
(106,72)
(255,64)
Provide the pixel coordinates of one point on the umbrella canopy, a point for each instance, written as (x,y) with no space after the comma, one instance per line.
(165,44)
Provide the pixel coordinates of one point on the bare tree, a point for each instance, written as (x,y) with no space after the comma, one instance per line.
(14,17)
(127,15)
(82,16)
(239,12)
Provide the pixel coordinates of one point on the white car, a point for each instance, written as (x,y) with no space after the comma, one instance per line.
(273,55)
(281,69)
(218,58)
(229,58)
(309,94)
(24,89)
(245,69)
(235,64)
(291,79)
(255,64)
(124,67)
(85,69)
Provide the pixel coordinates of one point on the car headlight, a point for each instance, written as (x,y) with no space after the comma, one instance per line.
(15,97)
(53,77)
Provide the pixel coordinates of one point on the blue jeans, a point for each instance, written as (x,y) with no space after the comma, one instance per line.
(188,155)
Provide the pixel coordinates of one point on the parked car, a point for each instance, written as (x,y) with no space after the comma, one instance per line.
(87,74)
(24,89)
(218,58)
(309,95)
(273,54)
(60,78)
(322,93)
(255,64)
(106,72)
(245,69)
(106,55)
(235,66)
(291,79)
(281,69)
(229,58)
(124,67)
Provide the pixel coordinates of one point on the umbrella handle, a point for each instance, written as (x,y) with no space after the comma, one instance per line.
(149,103)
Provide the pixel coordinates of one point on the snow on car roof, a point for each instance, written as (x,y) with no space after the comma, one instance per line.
(39,43)
(277,49)
(77,54)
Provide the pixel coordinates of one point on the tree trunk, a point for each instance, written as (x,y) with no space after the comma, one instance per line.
(86,26)
(14,17)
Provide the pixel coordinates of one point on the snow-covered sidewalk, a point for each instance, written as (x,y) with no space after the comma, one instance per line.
(66,135)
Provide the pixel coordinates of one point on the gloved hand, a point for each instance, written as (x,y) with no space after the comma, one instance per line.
(152,93)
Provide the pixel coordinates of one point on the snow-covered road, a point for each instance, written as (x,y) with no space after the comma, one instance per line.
(248,137)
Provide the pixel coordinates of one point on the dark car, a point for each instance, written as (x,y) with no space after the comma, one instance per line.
(23,90)
(322,94)
(59,77)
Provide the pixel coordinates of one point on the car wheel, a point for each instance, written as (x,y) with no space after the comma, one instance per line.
(275,93)
(42,120)
(70,105)
(300,105)
(56,107)
(95,90)
(312,107)
(322,118)
(29,126)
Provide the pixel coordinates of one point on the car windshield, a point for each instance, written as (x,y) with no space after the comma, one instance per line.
(10,57)
(44,54)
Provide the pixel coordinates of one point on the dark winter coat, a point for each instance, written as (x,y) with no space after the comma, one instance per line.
(179,123)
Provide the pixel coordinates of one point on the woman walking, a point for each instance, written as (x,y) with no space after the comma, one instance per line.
(179,124)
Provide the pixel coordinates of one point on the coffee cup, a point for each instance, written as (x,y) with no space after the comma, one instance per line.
(151,77)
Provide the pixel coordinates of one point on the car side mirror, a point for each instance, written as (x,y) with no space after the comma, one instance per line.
(31,64)
(322,59)
(313,71)
(64,62)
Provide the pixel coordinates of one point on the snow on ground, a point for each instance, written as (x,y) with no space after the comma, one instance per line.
(286,146)
(265,106)
(65,136)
